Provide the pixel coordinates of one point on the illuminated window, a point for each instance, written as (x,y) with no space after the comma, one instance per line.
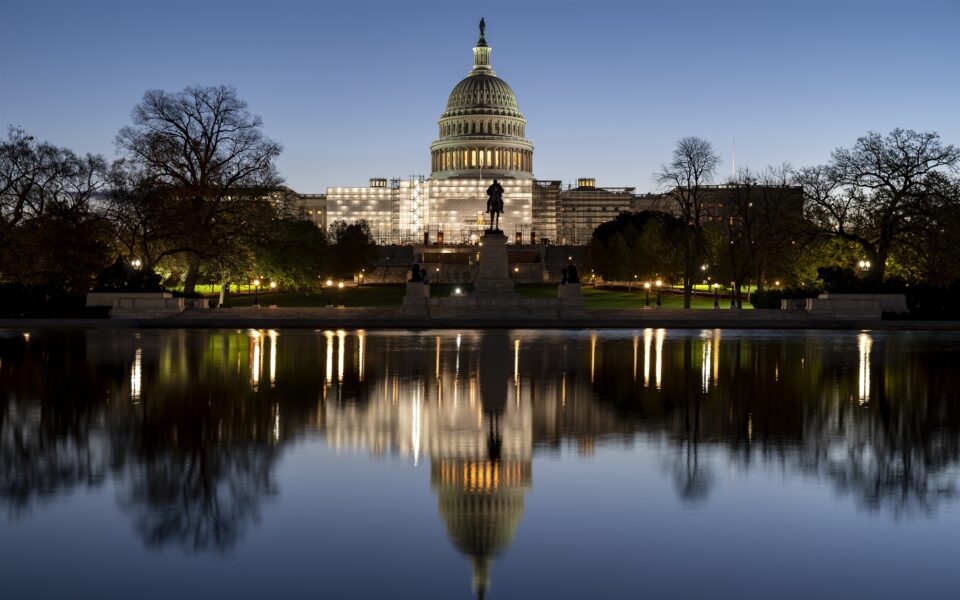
(473,158)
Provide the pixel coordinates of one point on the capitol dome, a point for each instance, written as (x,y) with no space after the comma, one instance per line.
(482,129)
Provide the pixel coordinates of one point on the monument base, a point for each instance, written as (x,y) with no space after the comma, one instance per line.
(416,298)
(493,278)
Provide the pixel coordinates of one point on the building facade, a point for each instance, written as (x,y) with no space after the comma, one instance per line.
(481,137)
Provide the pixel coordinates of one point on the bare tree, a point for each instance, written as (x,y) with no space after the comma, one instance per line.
(37,176)
(693,166)
(204,145)
(869,194)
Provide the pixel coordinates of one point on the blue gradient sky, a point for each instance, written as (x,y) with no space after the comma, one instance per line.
(353,89)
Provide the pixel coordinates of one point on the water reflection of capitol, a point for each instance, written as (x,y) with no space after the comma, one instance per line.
(471,417)
(473,406)
(476,405)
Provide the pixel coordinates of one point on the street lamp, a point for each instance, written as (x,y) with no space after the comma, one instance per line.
(777,283)
(716,295)
(340,294)
(135,263)
(329,283)
(864,265)
(659,283)
(256,293)
(646,287)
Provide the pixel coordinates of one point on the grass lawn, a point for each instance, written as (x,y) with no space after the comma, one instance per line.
(392,295)
(603,298)
(367,295)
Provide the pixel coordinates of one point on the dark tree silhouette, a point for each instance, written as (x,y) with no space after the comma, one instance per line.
(209,151)
(693,166)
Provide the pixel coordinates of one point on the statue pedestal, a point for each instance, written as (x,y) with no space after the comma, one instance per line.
(493,279)
(570,294)
(416,299)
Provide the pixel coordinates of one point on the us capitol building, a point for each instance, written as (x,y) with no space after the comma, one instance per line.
(481,137)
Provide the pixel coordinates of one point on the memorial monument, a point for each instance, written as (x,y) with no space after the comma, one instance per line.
(493,278)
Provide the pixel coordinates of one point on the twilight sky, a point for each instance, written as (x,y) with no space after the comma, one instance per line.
(353,89)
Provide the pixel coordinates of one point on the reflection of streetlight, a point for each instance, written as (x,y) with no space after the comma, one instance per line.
(716,295)
(646,287)
(340,294)
(256,293)
(659,283)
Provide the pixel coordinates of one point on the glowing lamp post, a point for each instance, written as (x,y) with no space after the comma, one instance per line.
(716,295)
(864,265)
(256,293)
(340,294)
(329,283)
(658,283)
(136,263)
(646,289)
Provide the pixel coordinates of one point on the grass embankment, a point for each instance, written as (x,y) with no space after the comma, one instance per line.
(619,298)
(392,295)
(367,295)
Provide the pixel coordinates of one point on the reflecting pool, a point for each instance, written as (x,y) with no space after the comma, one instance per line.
(500,463)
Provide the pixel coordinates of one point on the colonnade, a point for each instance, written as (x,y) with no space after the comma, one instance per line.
(482,158)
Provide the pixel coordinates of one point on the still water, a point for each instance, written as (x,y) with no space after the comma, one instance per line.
(457,464)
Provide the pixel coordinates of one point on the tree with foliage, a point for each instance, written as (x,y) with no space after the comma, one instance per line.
(645,244)
(353,249)
(871,194)
(296,256)
(693,166)
(209,153)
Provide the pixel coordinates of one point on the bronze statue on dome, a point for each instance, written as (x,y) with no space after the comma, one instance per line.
(495,204)
(483,27)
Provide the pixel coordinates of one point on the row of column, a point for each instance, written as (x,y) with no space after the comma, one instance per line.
(482,158)
(485,127)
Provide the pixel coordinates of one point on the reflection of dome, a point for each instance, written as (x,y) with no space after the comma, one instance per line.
(482,130)
(481,503)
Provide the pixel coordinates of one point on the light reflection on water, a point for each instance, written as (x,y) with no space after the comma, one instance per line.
(195,455)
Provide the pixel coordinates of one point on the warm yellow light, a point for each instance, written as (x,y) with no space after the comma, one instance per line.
(256,282)
(340,285)
(716,285)
(516,269)
(329,282)
(647,285)
(273,284)
(659,283)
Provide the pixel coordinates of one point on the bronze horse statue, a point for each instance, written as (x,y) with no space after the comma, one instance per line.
(495,204)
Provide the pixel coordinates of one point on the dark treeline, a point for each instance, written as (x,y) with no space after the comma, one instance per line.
(881,215)
(195,197)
